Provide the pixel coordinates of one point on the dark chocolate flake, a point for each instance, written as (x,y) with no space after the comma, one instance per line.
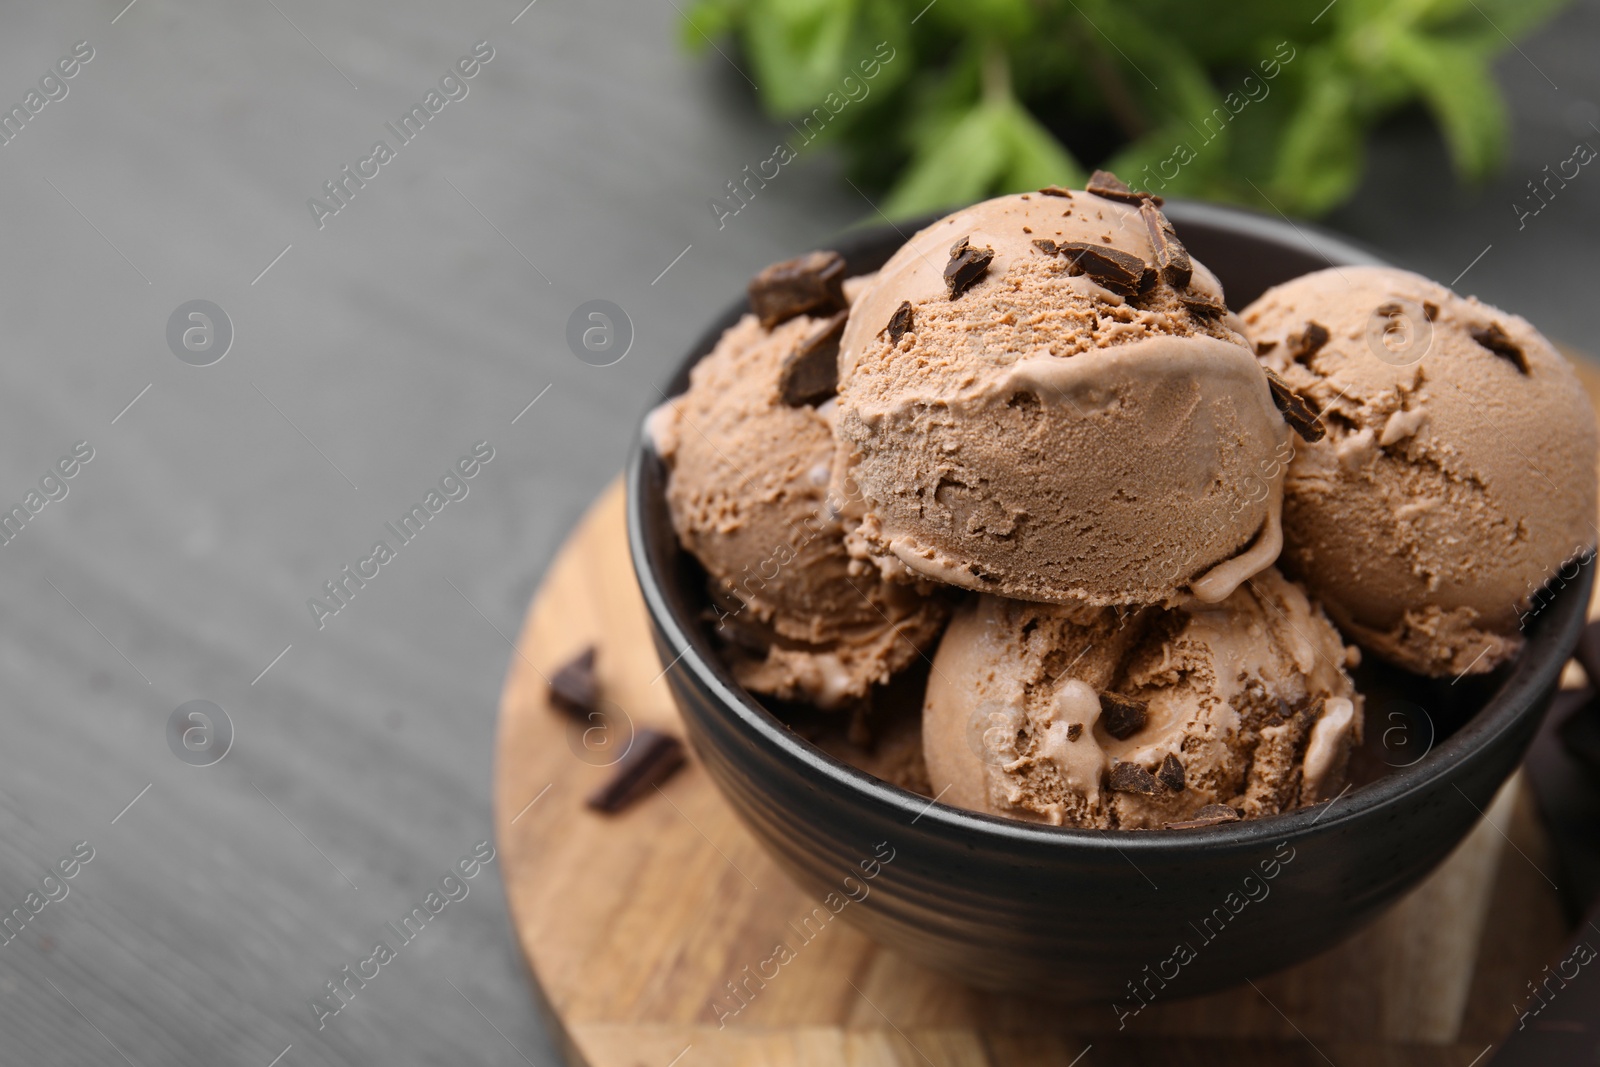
(652,759)
(1121,272)
(1210,815)
(1308,342)
(1105,184)
(810,374)
(966,266)
(1263,347)
(1297,410)
(1171,773)
(1074,731)
(1206,307)
(1430,310)
(1495,340)
(1122,716)
(574,688)
(1055,190)
(903,320)
(808,284)
(1132,778)
(1172,259)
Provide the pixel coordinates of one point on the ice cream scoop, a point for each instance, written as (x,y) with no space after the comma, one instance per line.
(748,496)
(1041,397)
(1095,717)
(1457,473)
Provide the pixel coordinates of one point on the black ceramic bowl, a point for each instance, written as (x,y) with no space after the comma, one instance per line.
(1089,914)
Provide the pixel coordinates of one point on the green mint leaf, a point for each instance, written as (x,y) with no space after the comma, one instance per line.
(1455,82)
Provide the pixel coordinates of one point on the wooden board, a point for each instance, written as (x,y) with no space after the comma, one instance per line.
(633,924)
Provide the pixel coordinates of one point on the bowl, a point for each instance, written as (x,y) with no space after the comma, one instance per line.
(1084,915)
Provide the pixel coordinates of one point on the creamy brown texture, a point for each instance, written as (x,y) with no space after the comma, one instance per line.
(1250,696)
(1044,438)
(1450,485)
(748,495)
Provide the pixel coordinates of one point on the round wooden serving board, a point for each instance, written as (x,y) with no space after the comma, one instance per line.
(633,924)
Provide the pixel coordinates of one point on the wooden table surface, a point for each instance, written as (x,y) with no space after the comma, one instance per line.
(367,356)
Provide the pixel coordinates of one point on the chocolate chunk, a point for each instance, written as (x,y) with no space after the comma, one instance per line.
(1297,411)
(1263,347)
(1121,272)
(812,283)
(1307,343)
(1104,183)
(1074,731)
(1122,716)
(1132,778)
(1171,773)
(652,759)
(1172,259)
(810,374)
(901,321)
(1204,306)
(574,688)
(966,266)
(1055,190)
(1430,310)
(1495,340)
(1210,815)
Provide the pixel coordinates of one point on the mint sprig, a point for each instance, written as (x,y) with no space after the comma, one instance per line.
(1249,101)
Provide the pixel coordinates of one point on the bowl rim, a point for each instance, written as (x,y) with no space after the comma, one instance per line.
(1536,669)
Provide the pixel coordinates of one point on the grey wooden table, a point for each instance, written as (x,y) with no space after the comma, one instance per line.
(371,349)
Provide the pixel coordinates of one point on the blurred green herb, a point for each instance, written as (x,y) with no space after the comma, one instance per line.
(1248,101)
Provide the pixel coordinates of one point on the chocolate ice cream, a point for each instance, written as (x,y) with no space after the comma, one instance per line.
(1041,397)
(748,495)
(1457,472)
(1096,717)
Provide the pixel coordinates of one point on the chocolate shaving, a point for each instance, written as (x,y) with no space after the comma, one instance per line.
(1172,259)
(1171,773)
(652,759)
(574,689)
(1304,345)
(1430,310)
(810,374)
(1263,347)
(1047,246)
(1210,815)
(901,321)
(1055,190)
(1074,731)
(1132,778)
(1297,410)
(1122,716)
(1104,183)
(808,284)
(1495,340)
(966,266)
(1121,272)
(1207,307)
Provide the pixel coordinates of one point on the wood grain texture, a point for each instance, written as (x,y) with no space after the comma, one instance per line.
(634,924)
